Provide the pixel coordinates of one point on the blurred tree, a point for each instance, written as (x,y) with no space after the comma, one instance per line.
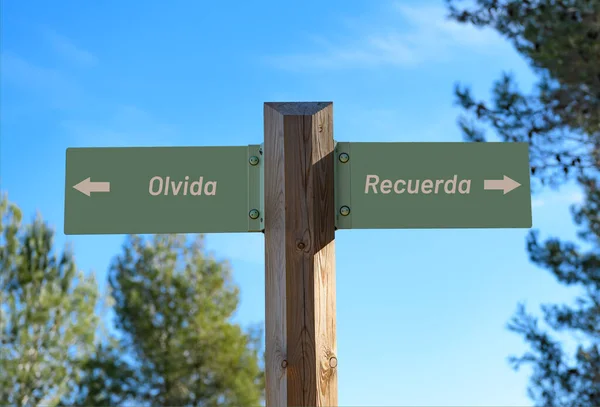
(560,120)
(173,306)
(560,379)
(47,320)
(107,380)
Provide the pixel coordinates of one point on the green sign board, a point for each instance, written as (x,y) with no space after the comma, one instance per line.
(163,190)
(432,185)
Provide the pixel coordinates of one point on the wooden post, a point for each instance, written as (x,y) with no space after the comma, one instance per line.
(301,347)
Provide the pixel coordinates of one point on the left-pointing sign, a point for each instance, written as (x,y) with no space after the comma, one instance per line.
(162,190)
(87,186)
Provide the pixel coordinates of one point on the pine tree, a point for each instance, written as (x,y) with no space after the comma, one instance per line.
(560,120)
(561,379)
(47,320)
(174,304)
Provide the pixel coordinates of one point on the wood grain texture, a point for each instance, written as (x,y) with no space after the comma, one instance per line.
(275,328)
(299,199)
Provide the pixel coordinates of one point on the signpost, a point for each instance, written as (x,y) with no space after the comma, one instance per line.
(432,185)
(298,190)
(162,190)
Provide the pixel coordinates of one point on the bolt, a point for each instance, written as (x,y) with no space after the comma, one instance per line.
(333,362)
(253,160)
(345,211)
(344,157)
(253,214)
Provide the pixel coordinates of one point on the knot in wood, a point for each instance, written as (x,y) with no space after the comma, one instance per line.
(284,364)
(301,245)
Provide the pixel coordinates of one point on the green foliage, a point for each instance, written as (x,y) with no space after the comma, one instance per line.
(108,380)
(561,121)
(560,380)
(174,306)
(561,117)
(47,320)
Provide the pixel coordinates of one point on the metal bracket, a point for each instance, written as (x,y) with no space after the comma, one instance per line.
(256,188)
(342,168)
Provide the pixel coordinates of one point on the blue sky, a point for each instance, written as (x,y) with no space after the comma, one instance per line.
(421,313)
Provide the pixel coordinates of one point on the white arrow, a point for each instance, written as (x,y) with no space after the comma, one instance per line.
(506,184)
(87,187)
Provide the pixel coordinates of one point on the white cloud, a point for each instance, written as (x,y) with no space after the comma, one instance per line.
(433,27)
(69,50)
(408,36)
(119,126)
(570,198)
(58,88)
(48,84)
(536,203)
(364,123)
(125,126)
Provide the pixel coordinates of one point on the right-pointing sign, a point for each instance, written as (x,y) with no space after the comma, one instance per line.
(506,184)
(432,185)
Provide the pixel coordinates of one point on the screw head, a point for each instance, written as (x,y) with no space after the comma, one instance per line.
(344,157)
(253,214)
(253,160)
(344,211)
